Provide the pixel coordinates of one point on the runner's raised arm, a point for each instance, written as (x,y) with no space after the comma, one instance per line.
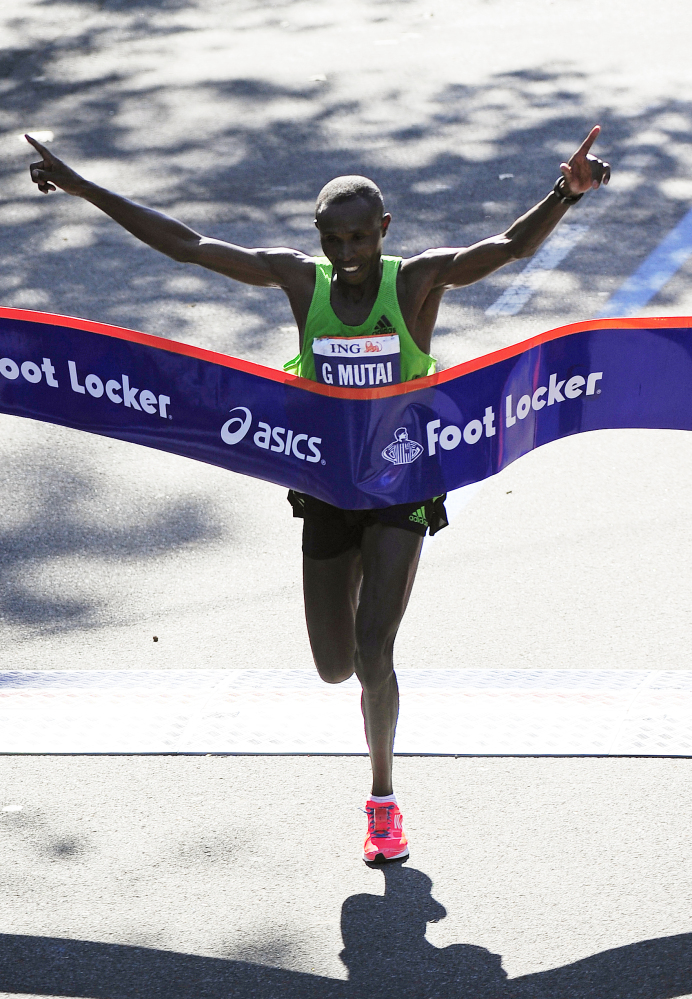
(274,267)
(454,268)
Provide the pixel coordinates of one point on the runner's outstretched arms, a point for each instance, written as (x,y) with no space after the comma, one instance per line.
(433,270)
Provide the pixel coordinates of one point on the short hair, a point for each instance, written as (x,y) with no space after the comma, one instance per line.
(351,186)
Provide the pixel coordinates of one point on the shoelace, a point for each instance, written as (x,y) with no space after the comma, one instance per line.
(380,820)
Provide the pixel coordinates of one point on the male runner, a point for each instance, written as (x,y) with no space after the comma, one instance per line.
(358,566)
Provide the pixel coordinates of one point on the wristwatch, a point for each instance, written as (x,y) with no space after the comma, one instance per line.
(566,199)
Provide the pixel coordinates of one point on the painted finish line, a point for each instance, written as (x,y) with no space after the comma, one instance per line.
(443,712)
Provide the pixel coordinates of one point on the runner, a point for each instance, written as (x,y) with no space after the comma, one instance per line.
(358,566)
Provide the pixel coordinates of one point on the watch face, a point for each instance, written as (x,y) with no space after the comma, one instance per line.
(559,192)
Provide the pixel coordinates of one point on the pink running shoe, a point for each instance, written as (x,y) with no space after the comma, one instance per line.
(386,839)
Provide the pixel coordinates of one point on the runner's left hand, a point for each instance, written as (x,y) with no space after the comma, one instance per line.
(584,171)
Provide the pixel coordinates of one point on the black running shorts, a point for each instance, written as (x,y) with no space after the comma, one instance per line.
(329,531)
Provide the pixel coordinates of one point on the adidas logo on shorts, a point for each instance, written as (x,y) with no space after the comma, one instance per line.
(418,516)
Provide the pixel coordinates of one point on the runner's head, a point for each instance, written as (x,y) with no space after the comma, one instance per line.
(352,223)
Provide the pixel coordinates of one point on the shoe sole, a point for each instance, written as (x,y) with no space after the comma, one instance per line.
(381,859)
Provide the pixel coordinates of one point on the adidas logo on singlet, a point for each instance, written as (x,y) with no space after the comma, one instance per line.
(383,326)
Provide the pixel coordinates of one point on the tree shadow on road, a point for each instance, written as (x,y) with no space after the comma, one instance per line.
(249,170)
(49,525)
(385,950)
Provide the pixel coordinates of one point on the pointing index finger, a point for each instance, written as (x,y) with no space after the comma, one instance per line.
(38,147)
(588,141)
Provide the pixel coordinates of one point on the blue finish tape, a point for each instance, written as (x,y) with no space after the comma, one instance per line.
(354,449)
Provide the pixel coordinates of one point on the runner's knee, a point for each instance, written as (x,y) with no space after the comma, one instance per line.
(374,662)
(333,670)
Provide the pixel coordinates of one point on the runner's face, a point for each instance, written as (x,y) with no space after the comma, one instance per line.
(351,233)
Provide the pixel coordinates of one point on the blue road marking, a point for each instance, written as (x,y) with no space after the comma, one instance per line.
(658,268)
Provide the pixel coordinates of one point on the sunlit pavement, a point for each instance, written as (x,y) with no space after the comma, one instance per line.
(232,116)
(177,876)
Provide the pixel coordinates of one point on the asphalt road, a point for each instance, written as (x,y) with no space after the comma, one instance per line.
(209,111)
(139,876)
(237,876)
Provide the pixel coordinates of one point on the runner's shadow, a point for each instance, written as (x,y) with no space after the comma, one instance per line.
(385,951)
(387,954)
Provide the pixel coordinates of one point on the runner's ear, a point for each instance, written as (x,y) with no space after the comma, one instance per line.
(386,219)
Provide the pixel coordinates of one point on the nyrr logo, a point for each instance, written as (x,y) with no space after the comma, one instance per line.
(270,438)
(402,451)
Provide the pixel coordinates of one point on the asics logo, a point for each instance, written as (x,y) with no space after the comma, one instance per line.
(279,439)
(233,430)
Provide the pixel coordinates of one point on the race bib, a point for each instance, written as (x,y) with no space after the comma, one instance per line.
(358,362)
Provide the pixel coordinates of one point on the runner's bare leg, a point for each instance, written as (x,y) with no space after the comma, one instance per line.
(331,587)
(390,559)
(350,629)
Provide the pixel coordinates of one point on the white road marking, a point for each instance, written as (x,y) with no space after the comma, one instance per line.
(443,712)
(551,254)
(627,178)
(655,272)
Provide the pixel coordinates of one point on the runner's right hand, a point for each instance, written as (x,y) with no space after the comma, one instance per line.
(51,173)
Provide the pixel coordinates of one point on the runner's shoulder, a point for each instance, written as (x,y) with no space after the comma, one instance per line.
(425,268)
(288,266)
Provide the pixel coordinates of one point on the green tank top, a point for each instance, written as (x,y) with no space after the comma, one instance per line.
(379,352)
